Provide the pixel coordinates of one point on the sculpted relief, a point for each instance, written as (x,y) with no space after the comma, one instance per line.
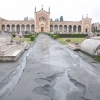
(42,19)
(86,25)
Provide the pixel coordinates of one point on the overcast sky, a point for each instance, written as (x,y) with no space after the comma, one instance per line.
(71,10)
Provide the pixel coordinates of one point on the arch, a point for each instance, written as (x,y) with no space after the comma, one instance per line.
(65,28)
(74,28)
(3,27)
(86,29)
(32,28)
(55,28)
(51,28)
(79,28)
(13,28)
(23,28)
(8,27)
(18,28)
(70,28)
(60,28)
(28,28)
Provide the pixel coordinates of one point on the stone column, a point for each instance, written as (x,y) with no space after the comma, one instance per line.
(25,27)
(5,27)
(15,28)
(20,28)
(58,28)
(67,29)
(77,29)
(53,28)
(10,29)
(62,29)
(72,29)
(30,28)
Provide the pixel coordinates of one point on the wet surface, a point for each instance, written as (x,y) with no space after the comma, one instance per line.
(54,72)
(14,71)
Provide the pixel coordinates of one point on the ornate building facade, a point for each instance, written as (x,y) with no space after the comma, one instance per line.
(42,23)
(96,26)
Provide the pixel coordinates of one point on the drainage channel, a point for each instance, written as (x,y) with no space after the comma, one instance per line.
(15,77)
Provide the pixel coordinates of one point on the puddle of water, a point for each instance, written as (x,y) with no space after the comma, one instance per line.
(64,87)
(46,90)
(51,80)
(58,86)
(6,90)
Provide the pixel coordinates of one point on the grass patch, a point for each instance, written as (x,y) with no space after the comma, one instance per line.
(97,58)
(62,41)
(74,40)
(24,39)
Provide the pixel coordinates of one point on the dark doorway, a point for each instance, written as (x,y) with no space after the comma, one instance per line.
(42,29)
(86,30)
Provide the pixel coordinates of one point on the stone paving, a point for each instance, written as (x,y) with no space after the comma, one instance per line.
(54,72)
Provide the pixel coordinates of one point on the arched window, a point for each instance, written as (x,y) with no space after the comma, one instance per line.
(70,28)
(51,28)
(74,28)
(60,28)
(3,27)
(79,28)
(65,28)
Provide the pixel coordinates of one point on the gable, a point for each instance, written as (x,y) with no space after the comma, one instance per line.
(42,13)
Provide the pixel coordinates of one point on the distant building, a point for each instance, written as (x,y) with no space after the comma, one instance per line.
(42,23)
(96,26)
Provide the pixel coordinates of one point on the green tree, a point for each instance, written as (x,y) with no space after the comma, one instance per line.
(51,19)
(61,18)
(56,19)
